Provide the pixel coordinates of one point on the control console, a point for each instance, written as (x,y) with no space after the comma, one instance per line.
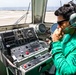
(25,49)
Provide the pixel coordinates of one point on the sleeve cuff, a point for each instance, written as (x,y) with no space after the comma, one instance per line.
(56,44)
(56,47)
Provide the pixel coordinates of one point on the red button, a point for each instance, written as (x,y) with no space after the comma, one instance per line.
(36,49)
(27,52)
(25,66)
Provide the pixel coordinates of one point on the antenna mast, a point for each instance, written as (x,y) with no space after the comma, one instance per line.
(60,3)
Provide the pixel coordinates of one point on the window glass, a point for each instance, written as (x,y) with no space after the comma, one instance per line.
(52,5)
(15,12)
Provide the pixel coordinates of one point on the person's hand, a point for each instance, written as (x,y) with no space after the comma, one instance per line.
(57,35)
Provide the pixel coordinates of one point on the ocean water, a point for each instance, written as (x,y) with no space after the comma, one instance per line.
(25,8)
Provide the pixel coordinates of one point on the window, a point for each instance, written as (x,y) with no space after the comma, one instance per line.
(15,11)
(52,5)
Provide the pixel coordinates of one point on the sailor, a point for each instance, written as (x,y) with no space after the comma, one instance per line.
(64,40)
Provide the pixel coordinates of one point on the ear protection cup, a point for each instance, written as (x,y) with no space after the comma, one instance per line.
(72,20)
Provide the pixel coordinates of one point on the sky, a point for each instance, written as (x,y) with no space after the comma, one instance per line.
(25,3)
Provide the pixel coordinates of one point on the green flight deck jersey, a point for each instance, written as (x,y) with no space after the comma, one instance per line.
(64,55)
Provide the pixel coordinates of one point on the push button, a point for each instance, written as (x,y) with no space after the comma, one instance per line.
(25,66)
(36,49)
(27,52)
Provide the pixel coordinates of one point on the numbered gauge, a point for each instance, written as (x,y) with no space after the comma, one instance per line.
(29,34)
(53,27)
(39,28)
